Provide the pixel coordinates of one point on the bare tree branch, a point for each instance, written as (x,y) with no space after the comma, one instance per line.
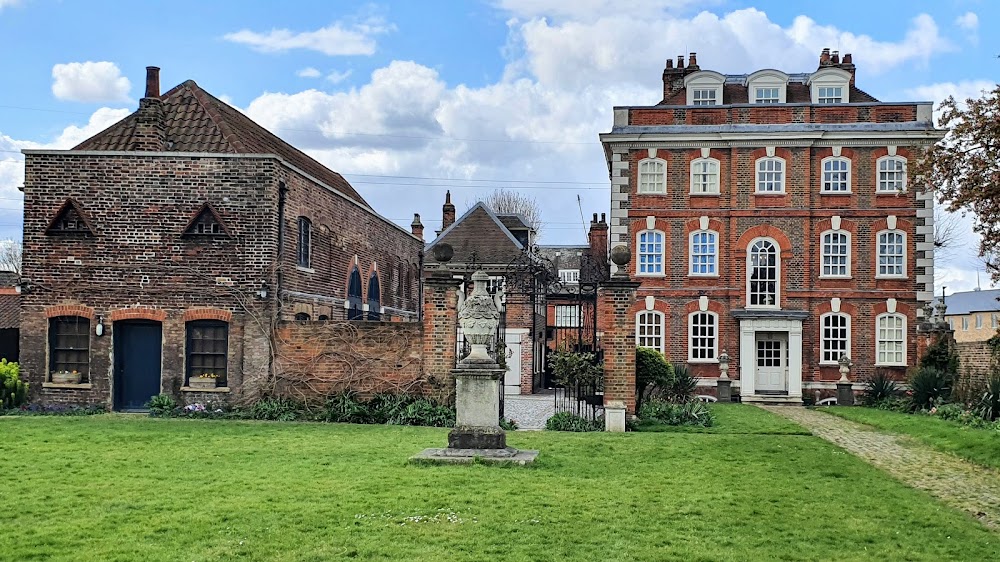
(10,255)
(505,201)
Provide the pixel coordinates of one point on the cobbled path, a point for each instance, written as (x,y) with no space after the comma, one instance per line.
(529,411)
(954,481)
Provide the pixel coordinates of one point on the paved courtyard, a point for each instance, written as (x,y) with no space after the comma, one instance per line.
(954,481)
(529,411)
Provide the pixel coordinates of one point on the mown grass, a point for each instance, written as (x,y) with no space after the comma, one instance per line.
(734,418)
(129,488)
(981,446)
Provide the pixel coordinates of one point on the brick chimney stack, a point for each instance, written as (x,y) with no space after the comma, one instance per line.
(824,57)
(416,227)
(150,126)
(848,64)
(835,57)
(673,76)
(597,239)
(447,212)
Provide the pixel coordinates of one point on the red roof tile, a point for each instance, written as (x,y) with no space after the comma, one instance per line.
(10,311)
(197,121)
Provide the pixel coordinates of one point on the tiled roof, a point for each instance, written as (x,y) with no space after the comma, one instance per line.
(197,121)
(972,301)
(479,232)
(10,311)
(737,93)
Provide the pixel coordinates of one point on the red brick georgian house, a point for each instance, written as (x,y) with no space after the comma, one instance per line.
(770,216)
(166,246)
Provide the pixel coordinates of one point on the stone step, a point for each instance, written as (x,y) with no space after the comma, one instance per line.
(773,400)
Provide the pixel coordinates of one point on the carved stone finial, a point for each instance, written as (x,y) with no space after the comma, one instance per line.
(620,256)
(724,365)
(845,367)
(479,316)
(443,253)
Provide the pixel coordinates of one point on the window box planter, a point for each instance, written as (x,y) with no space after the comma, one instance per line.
(201,383)
(66,377)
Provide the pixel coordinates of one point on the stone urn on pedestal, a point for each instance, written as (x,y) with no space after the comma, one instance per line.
(845,389)
(477,433)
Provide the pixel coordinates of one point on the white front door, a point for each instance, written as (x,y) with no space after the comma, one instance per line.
(512,378)
(772,361)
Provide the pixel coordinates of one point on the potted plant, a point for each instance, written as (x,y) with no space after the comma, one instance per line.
(66,377)
(203,380)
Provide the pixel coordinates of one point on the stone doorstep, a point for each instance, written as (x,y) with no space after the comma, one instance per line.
(508,455)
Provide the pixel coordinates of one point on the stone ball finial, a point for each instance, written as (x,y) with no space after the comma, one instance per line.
(443,253)
(621,255)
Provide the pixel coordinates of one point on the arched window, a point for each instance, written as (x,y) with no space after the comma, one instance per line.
(650,252)
(652,176)
(354,308)
(703,336)
(649,330)
(890,338)
(302,317)
(834,337)
(770,175)
(891,174)
(836,254)
(763,274)
(704,252)
(374,298)
(305,242)
(891,254)
(704,175)
(208,349)
(836,175)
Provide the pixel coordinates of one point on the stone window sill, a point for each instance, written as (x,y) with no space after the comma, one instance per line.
(305,269)
(81,386)
(219,390)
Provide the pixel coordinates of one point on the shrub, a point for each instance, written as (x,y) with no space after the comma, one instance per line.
(425,412)
(54,410)
(929,385)
(878,388)
(690,413)
(161,406)
(13,391)
(942,355)
(895,404)
(568,421)
(571,369)
(652,372)
(683,385)
(277,409)
(508,424)
(987,406)
(383,408)
(345,407)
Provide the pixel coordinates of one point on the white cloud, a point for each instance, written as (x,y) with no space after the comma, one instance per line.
(8,3)
(961,91)
(308,72)
(589,10)
(333,40)
(89,82)
(338,77)
(968,21)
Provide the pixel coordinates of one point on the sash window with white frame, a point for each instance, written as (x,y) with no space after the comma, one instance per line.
(891,174)
(705,175)
(704,252)
(704,96)
(567,315)
(650,251)
(836,175)
(763,274)
(653,176)
(766,95)
(891,253)
(770,175)
(649,330)
(836,251)
(891,339)
(830,94)
(569,276)
(703,336)
(835,337)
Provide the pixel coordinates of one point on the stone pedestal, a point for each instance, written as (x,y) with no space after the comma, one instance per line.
(724,390)
(845,394)
(477,408)
(614,416)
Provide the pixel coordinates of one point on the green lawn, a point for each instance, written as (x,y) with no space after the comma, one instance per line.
(735,418)
(130,488)
(981,446)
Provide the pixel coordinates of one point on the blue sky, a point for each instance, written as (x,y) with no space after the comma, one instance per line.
(464,92)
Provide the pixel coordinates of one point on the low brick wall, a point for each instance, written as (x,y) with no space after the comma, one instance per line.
(974,361)
(315,359)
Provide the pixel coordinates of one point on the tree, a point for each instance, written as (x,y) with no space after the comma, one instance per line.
(10,256)
(964,167)
(504,201)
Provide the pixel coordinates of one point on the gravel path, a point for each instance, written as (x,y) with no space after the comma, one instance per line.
(954,481)
(529,411)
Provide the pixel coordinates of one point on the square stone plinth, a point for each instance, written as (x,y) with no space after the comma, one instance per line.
(507,455)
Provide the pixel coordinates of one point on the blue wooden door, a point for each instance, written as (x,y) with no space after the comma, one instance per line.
(137,364)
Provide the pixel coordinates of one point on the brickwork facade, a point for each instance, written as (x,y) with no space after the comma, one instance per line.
(616,323)
(663,145)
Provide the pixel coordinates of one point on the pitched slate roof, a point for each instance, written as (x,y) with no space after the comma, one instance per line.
(10,310)
(8,278)
(972,301)
(197,121)
(479,231)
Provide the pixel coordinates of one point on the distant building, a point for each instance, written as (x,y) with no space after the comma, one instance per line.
(974,315)
(10,316)
(771,215)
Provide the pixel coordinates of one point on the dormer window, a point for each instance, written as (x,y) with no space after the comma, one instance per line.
(704,87)
(830,85)
(767,86)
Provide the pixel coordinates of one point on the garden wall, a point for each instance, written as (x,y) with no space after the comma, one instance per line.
(315,359)
(974,360)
